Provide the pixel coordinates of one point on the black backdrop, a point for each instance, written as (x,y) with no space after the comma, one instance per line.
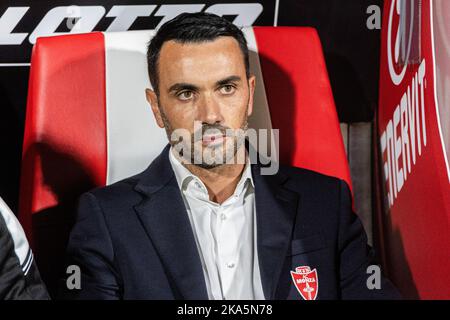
(351,53)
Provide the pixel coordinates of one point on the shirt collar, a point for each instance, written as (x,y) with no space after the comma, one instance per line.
(184,176)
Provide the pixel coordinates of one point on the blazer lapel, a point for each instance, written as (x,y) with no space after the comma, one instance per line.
(164,217)
(276,209)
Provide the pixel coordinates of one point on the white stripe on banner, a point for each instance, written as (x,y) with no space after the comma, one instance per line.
(134,139)
(21,246)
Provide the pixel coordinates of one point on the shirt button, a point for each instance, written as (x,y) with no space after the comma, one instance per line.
(223,216)
(230,265)
(197,185)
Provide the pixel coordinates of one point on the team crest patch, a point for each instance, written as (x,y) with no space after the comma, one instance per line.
(306,282)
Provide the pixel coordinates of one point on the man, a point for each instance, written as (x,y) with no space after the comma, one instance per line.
(19,277)
(202,222)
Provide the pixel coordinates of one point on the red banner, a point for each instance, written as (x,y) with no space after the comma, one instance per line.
(414,164)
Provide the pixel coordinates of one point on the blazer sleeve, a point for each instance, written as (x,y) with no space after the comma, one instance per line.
(356,256)
(90,248)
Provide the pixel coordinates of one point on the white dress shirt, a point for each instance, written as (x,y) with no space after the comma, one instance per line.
(225,235)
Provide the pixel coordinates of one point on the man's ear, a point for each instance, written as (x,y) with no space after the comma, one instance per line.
(251,86)
(153,101)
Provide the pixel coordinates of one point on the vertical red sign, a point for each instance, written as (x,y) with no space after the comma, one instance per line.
(414,164)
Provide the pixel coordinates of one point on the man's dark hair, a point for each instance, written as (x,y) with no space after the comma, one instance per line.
(196,28)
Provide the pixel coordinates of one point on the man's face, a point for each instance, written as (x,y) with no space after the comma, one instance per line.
(203,89)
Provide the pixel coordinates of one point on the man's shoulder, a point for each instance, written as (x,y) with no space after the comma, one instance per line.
(118,192)
(301,178)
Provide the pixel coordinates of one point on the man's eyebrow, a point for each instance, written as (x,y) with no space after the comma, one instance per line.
(182,86)
(188,86)
(228,80)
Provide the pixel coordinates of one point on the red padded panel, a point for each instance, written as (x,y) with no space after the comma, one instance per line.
(65,127)
(300,100)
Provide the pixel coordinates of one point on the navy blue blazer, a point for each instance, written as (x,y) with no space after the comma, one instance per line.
(133,239)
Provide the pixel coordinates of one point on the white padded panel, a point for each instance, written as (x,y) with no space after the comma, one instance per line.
(134,138)
(260,118)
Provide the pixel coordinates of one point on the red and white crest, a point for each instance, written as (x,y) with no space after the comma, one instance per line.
(306,282)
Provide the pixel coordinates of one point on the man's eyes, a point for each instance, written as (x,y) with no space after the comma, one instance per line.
(227,89)
(185,95)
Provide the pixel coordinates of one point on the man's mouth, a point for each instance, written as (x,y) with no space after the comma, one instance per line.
(209,140)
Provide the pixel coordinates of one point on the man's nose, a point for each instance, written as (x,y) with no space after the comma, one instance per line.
(209,110)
